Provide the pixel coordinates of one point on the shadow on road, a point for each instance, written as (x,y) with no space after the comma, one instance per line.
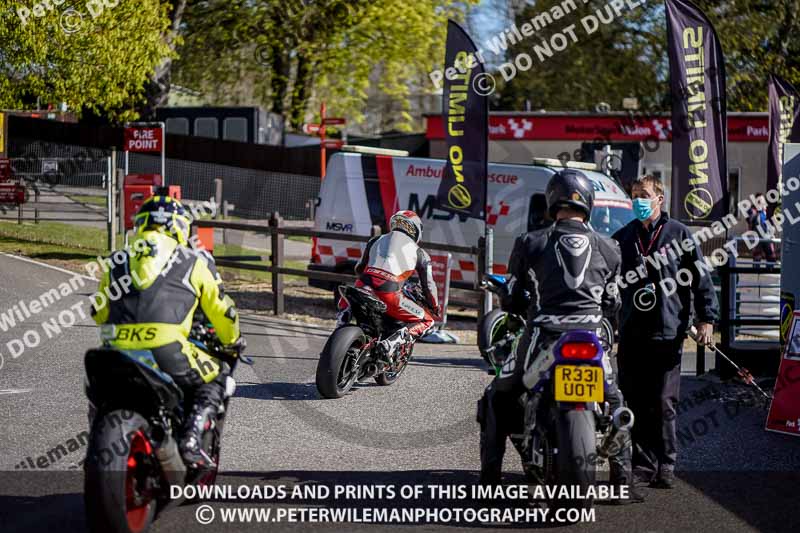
(471,363)
(277,391)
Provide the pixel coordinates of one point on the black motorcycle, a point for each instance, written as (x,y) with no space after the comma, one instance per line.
(351,354)
(568,427)
(135,412)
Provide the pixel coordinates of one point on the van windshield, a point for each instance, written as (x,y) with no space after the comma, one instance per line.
(607,219)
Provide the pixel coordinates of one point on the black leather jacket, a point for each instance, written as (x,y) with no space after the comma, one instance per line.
(569,271)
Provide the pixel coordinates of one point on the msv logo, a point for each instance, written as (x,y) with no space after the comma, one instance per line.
(339,226)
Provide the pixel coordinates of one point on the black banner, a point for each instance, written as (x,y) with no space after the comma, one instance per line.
(466,127)
(699,118)
(784,108)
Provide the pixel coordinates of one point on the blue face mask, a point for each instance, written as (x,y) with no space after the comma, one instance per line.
(642,208)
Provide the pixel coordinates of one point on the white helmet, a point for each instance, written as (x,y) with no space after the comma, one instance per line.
(408,222)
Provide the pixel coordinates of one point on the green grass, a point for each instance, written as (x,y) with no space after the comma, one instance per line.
(46,251)
(87,199)
(69,236)
(54,240)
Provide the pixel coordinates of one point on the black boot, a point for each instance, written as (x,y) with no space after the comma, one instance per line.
(201,419)
(635,495)
(388,347)
(621,475)
(665,479)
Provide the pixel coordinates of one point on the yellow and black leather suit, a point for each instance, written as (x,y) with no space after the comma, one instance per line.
(151,294)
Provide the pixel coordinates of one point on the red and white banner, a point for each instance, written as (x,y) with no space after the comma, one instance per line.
(144,139)
(784,411)
(637,127)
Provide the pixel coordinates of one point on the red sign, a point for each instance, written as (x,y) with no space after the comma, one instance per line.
(156,180)
(5,169)
(440,264)
(334,121)
(333,143)
(12,193)
(521,127)
(143,139)
(311,129)
(784,411)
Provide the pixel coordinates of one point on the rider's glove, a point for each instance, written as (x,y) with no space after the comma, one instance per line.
(237,347)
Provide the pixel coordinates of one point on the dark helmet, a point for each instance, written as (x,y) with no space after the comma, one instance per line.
(570,188)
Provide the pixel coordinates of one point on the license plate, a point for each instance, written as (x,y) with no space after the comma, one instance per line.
(576,383)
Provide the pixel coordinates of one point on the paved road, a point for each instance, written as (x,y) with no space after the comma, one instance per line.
(421,431)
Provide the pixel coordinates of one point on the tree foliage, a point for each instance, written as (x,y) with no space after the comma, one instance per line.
(758,39)
(289,54)
(618,60)
(100,63)
(628,57)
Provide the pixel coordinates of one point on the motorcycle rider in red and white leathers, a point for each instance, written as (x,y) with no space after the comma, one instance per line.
(388,261)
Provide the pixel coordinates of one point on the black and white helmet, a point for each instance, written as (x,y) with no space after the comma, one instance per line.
(570,188)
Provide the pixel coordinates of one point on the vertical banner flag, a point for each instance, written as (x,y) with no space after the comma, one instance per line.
(784,126)
(2,134)
(699,118)
(466,124)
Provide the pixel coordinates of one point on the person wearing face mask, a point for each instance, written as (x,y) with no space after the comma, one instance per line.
(663,293)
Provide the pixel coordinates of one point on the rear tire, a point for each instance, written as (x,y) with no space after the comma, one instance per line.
(331,382)
(576,460)
(109,482)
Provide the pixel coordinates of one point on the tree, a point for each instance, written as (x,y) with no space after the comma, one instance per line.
(286,54)
(159,83)
(757,39)
(618,60)
(97,62)
(628,57)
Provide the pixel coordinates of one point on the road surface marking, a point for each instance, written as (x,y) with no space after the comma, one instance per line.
(14,391)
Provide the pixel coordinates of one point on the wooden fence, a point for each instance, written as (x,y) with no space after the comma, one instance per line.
(275,233)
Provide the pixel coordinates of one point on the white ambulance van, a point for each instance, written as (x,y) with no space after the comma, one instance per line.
(362,190)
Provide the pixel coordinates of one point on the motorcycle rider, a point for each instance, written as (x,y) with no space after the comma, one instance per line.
(153,290)
(387,262)
(568,270)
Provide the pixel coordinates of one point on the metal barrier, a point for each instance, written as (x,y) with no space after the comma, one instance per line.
(750,309)
(277,232)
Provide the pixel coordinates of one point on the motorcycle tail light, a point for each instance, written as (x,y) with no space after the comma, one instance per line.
(578,350)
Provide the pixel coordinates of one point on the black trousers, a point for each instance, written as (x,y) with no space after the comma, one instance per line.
(650,378)
(501,414)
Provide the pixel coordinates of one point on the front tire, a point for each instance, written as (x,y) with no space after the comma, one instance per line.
(114,475)
(489,328)
(576,460)
(334,379)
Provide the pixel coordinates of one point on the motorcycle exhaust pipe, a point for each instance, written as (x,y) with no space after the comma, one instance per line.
(621,420)
(171,462)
